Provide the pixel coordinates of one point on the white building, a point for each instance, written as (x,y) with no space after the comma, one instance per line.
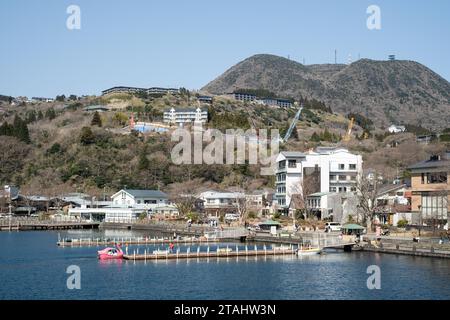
(332,170)
(396,129)
(126,206)
(182,116)
(216,202)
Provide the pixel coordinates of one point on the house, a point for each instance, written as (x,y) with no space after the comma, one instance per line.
(183,116)
(41,99)
(132,198)
(216,203)
(260,202)
(396,129)
(392,200)
(126,206)
(430,188)
(205,99)
(326,169)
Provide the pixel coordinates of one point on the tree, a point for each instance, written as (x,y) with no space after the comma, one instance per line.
(50,114)
(96,120)
(87,136)
(60,98)
(143,163)
(73,97)
(20,130)
(183,196)
(367,191)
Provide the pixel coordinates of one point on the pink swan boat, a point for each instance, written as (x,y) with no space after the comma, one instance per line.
(110,253)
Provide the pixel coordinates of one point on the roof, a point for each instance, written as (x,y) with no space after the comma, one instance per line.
(352,226)
(144,193)
(270,223)
(389,187)
(187,109)
(223,195)
(320,194)
(431,164)
(289,154)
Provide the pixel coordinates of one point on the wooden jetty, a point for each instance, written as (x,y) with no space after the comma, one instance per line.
(211,254)
(81,242)
(22,225)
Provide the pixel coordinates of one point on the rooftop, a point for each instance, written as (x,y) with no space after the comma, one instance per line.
(433,162)
(145,193)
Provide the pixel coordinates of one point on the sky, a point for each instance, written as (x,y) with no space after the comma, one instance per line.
(179,43)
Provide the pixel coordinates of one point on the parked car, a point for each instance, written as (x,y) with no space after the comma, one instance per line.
(332,227)
(231,216)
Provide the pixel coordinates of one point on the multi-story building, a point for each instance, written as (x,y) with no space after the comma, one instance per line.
(244,96)
(430,189)
(188,115)
(152,90)
(334,170)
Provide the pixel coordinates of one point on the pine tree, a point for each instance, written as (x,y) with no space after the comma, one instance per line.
(87,136)
(143,163)
(50,114)
(96,120)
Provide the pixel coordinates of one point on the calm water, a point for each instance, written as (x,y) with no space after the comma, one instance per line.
(33,267)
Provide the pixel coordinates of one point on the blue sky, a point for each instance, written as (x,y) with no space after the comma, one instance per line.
(188,43)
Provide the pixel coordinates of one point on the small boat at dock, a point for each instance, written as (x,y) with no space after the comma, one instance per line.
(307,251)
(110,253)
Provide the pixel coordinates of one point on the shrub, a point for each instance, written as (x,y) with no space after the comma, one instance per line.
(402,223)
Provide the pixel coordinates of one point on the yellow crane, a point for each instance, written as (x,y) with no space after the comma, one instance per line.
(348,136)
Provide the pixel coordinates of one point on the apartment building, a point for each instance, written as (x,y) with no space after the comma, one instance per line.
(182,116)
(430,189)
(333,170)
(152,90)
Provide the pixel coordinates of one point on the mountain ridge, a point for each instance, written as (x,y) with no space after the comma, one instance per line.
(399,91)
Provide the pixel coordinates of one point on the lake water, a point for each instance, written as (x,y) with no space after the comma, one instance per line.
(33,267)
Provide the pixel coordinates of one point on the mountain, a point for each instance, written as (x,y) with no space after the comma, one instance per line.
(399,91)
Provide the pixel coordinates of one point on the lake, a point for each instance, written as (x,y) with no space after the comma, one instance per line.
(32,266)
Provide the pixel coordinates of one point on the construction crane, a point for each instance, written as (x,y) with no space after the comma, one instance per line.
(348,136)
(293,124)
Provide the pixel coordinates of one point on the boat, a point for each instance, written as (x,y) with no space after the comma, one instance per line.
(110,253)
(307,251)
(224,250)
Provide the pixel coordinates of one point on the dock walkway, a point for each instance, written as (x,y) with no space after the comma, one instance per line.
(212,254)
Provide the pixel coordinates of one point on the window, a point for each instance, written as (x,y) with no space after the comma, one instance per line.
(341,166)
(332,177)
(353,178)
(352,166)
(139,202)
(282,164)
(342,178)
(150,201)
(292,164)
(332,189)
(436,177)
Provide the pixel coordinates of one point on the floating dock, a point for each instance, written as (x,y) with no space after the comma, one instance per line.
(129,241)
(211,254)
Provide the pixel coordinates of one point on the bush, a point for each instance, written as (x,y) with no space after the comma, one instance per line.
(402,223)
(251,215)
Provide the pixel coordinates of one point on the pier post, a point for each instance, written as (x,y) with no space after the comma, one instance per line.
(145,255)
(246,250)
(198,252)
(134,255)
(265,250)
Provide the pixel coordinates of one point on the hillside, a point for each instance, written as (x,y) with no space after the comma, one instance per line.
(403,92)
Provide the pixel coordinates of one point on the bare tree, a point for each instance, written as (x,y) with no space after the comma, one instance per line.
(184,196)
(309,184)
(367,191)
